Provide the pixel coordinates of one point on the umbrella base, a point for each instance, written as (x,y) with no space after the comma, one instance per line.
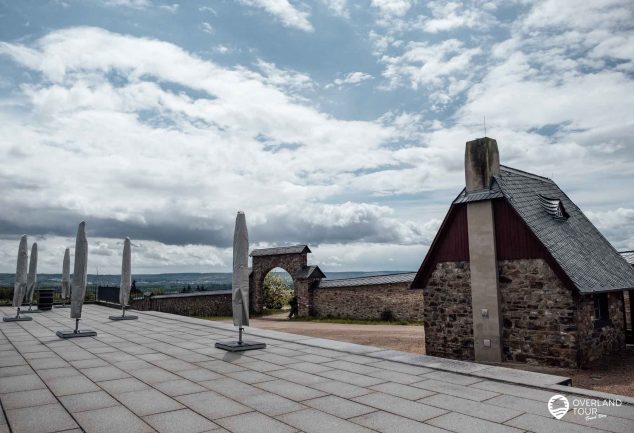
(123,317)
(235,346)
(74,334)
(33,311)
(17,319)
(62,306)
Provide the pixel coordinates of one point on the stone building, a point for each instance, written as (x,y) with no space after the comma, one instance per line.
(518,273)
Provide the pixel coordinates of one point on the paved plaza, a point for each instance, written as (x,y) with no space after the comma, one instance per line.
(162,373)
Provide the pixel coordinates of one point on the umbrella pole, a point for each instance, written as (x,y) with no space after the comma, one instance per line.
(76,331)
(17,316)
(122,310)
(240,329)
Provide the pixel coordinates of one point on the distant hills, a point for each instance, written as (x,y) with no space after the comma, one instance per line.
(169,282)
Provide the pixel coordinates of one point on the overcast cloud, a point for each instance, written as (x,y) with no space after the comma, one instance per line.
(332,123)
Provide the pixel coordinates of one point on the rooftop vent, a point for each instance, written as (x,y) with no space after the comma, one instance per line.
(554,207)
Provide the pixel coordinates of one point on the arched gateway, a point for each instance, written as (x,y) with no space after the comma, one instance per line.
(293,260)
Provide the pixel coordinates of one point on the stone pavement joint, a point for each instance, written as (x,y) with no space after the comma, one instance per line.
(163,374)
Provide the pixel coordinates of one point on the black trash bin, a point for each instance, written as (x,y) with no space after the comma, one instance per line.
(45,299)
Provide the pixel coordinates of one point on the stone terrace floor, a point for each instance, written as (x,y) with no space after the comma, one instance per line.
(162,373)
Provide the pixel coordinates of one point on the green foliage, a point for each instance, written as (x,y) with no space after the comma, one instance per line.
(6,295)
(277,292)
(158,291)
(387,315)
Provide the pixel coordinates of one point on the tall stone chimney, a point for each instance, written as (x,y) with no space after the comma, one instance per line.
(482,162)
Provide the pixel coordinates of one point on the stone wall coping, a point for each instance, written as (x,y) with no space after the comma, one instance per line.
(192,294)
(493,373)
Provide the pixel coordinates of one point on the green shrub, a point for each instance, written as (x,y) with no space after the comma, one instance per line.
(277,292)
(387,315)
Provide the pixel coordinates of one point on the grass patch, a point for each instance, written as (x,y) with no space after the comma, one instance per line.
(355,321)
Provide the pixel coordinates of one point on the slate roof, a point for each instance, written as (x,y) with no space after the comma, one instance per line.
(628,256)
(310,272)
(293,249)
(584,255)
(376,280)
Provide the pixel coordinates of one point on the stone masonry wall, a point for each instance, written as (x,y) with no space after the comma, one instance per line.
(447,312)
(538,313)
(187,304)
(368,302)
(600,339)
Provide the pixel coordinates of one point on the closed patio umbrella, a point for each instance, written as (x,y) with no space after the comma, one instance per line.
(19,287)
(31,279)
(65,293)
(78,292)
(240,288)
(126,281)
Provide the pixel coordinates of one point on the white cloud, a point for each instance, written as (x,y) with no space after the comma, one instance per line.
(446,16)
(207,28)
(352,78)
(284,11)
(173,8)
(135,4)
(338,7)
(396,8)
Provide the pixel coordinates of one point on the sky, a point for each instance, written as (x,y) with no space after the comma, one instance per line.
(334,123)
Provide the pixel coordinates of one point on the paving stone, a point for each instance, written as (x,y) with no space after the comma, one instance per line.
(344,390)
(313,358)
(57,372)
(212,405)
(17,370)
(231,388)
(460,423)
(179,387)
(337,406)
(104,373)
(254,422)
(389,423)
(10,361)
(298,376)
(455,390)
(403,391)
(540,424)
(129,366)
(272,404)
(148,402)
(174,365)
(71,385)
(470,407)
(248,376)
(290,390)
(87,363)
(458,379)
(115,419)
(519,391)
(20,383)
(221,366)
(154,375)
(273,358)
(199,374)
(314,421)
(400,406)
(51,362)
(180,421)
(352,378)
(44,419)
(262,366)
(88,401)
(395,376)
(309,367)
(33,397)
(352,367)
(119,386)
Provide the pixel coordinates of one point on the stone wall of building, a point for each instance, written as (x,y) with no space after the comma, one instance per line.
(538,314)
(200,304)
(447,312)
(262,265)
(367,302)
(597,339)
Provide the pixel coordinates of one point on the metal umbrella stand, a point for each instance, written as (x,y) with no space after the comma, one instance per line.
(78,293)
(126,281)
(240,289)
(19,288)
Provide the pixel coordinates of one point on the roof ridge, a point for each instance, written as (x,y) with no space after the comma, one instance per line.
(370,276)
(526,173)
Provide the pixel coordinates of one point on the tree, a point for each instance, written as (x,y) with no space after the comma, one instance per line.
(277,292)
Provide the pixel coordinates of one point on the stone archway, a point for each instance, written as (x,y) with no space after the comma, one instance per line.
(293,260)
